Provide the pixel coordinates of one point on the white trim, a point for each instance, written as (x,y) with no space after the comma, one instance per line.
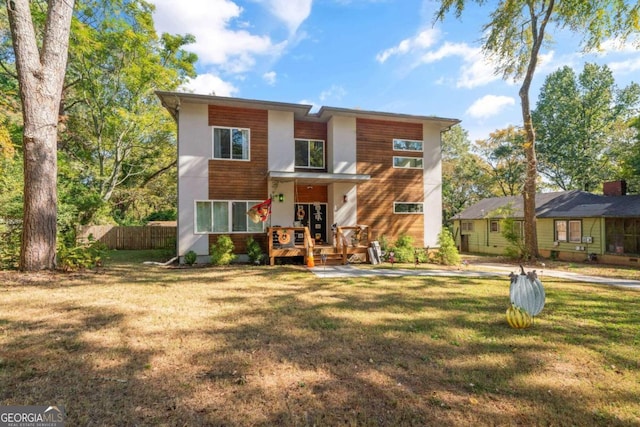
(408,167)
(408,140)
(408,203)
(231,128)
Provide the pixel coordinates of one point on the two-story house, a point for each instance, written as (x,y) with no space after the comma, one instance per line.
(335,166)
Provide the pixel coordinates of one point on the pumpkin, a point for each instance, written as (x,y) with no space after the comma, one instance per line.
(526,291)
(518,318)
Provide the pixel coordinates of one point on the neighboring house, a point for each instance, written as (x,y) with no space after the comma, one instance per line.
(337,166)
(571,225)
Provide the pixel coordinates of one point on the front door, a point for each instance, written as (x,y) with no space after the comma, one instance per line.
(314,216)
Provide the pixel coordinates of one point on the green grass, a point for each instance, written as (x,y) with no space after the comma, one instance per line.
(134,344)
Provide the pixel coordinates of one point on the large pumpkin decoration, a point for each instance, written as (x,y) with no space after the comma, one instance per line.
(527,298)
(518,318)
(526,291)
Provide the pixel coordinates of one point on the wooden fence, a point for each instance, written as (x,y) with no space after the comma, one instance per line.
(142,237)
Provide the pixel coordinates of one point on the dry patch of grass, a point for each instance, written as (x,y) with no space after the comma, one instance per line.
(145,345)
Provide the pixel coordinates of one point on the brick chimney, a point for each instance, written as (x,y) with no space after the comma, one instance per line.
(615,188)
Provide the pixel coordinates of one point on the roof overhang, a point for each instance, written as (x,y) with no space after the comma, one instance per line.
(318,177)
(172,101)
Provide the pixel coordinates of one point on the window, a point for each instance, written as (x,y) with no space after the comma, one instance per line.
(225,217)
(494,226)
(466,226)
(407,145)
(310,153)
(622,235)
(568,231)
(518,228)
(407,162)
(230,143)
(408,208)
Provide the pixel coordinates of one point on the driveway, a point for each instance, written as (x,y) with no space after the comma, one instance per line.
(480,270)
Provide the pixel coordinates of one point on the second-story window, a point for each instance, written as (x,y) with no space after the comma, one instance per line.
(230,143)
(310,153)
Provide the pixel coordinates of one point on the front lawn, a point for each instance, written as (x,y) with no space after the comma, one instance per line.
(135,344)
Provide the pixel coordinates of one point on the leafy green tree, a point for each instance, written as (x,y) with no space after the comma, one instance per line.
(630,167)
(118,136)
(582,126)
(503,153)
(447,252)
(464,175)
(513,38)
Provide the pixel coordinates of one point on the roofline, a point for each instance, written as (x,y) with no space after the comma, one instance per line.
(172,100)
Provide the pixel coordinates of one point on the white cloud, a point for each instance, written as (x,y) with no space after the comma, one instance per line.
(617,45)
(208,84)
(270,77)
(489,105)
(625,67)
(335,93)
(292,13)
(421,41)
(217,42)
(475,71)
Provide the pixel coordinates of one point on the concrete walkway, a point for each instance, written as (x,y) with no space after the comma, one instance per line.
(492,270)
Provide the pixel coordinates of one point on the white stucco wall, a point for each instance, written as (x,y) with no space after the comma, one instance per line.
(432,184)
(281,143)
(194,151)
(344,213)
(341,145)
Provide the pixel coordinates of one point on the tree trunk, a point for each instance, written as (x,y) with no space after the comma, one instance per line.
(40,75)
(529,191)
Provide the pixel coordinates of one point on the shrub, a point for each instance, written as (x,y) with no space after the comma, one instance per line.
(254,251)
(403,249)
(448,253)
(10,235)
(190,258)
(222,251)
(80,256)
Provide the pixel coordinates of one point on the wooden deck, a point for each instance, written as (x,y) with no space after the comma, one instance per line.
(349,242)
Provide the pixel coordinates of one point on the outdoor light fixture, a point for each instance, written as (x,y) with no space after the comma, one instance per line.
(281,197)
(345,199)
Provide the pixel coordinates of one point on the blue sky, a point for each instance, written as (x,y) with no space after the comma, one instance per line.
(381,55)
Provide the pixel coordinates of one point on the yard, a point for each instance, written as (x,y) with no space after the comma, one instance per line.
(239,346)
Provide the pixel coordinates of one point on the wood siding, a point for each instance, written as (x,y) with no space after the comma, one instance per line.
(236,179)
(374,151)
(311,194)
(311,130)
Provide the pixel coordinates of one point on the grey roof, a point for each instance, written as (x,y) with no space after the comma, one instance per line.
(561,204)
(171,101)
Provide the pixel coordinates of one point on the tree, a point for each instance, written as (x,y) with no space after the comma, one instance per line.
(40,67)
(513,38)
(118,139)
(582,126)
(503,154)
(464,176)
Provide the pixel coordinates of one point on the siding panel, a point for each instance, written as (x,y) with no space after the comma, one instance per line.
(240,180)
(374,151)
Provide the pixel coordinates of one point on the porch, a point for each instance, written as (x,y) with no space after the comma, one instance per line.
(348,242)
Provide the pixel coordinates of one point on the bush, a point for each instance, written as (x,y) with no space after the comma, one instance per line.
(448,253)
(10,235)
(222,251)
(403,249)
(190,258)
(254,251)
(80,256)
